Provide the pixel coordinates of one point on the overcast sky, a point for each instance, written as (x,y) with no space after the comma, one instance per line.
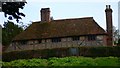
(63,9)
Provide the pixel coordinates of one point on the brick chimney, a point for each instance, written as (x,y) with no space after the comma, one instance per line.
(45,14)
(109,25)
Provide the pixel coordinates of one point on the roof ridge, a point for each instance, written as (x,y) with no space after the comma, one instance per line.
(67,19)
(73,18)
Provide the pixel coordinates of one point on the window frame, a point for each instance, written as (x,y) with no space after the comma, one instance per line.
(75,38)
(91,37)
(56,40)
(39,41)
(23,42)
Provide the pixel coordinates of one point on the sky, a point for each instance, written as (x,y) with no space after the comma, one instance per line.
(119,17)
(66,9)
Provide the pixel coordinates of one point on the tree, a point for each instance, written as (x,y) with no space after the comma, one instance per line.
(11,9)
(9,31)
(118,39)
(118,42)
(115,35)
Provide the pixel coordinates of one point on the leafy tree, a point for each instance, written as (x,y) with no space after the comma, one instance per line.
(9,31)
(115,35)
(119,42)
(11,9)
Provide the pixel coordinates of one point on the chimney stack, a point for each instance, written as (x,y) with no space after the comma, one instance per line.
(45,14)
(109,25)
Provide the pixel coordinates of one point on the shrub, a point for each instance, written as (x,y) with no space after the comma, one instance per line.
(66,61)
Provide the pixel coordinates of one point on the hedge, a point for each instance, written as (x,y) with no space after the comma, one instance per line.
(62,52)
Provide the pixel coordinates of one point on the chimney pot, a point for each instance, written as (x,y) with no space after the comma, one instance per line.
(108,7)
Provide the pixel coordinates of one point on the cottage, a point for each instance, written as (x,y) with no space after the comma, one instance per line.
(74,32)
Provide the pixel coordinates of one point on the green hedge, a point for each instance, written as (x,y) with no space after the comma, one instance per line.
(100,51)
(62,52)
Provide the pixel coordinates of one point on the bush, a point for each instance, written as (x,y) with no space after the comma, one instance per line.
(66,61)
(101,51)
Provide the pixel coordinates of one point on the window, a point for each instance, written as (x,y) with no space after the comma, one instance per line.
(56,39)
(75,38)
(91,37)
(23,42)
(39,41)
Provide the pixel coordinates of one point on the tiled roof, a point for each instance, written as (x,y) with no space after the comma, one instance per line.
(61,28)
